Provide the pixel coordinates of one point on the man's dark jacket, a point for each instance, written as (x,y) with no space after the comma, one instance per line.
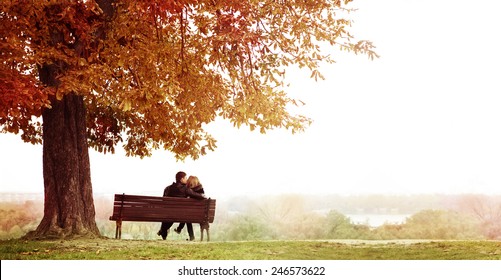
(180,190)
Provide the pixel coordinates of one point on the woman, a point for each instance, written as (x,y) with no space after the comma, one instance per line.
(194,184)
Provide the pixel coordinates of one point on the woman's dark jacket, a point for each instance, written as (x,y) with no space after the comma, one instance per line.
(199,189)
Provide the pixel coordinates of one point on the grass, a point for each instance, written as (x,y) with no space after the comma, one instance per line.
(111,249)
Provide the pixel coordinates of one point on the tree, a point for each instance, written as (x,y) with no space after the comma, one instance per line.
(150,74)
(339,226)
(486,210)
(441,224)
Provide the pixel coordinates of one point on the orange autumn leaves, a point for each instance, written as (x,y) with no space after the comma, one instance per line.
(153,73)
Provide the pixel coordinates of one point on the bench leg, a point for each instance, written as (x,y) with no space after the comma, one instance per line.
(202,228)
(118,231)
(201,232)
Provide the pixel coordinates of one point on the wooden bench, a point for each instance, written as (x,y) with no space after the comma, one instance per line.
(139,208)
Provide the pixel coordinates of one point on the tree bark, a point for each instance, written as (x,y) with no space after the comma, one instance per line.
(69,204)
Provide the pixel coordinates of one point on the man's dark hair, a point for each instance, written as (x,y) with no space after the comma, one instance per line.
(180,175)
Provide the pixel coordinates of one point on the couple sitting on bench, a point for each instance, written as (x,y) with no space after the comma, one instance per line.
(183,187)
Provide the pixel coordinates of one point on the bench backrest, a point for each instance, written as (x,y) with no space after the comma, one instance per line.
(162,209)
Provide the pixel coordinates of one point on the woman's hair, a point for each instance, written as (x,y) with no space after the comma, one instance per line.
(192,182)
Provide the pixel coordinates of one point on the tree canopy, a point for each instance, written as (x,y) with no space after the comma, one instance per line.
(153,72)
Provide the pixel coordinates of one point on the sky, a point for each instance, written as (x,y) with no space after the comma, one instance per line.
(423,118)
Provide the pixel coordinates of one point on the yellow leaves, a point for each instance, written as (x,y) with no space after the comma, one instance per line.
(59,95)
(120,63)
(126,105)
(315,74)
(82,62)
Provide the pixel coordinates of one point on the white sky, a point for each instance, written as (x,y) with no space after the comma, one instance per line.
(424,118)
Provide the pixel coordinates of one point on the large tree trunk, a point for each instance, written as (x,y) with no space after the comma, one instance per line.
(69,204)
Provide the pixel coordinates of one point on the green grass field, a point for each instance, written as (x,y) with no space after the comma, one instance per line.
(111,249)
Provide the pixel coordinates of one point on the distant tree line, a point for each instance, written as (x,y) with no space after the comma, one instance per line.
(16,219)
(292,217)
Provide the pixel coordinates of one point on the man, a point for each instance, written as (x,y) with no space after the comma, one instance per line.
(179,189)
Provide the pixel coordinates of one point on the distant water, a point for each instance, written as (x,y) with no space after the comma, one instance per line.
(375,220)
